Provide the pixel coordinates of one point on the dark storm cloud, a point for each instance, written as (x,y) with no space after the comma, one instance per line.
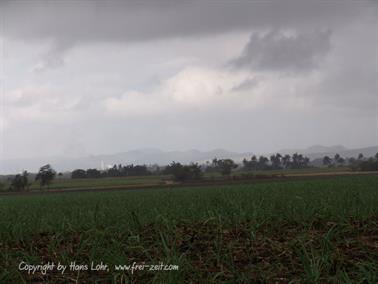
(278,51)
(71,22)
(66,24)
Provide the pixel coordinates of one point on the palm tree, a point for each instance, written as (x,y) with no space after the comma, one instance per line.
(297,160)
(276,161)
(306,161)
(286,161)
(327,161)
(336,159)
(254,162)
(341,161)
(262,162)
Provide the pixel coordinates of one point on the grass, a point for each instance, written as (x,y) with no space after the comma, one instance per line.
(64,182)
(108,182)
(287,171)
(301,231)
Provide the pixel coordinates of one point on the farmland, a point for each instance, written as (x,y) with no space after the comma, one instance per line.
(314,231)
(66,183)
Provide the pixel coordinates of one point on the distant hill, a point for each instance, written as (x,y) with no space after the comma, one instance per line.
(315,149)
(140,156)
(151,156)
(318,151)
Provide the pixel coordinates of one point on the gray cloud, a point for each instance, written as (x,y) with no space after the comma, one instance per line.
(128,21)
(54,58)
(66,24)
(246,84)
(102,95)
(280,51)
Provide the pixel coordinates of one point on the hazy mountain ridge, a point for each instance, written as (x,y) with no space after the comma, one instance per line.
(367,152)
(316,149)
(151,156)
(140,156)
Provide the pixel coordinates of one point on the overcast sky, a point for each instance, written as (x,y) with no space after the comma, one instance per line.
(91,77)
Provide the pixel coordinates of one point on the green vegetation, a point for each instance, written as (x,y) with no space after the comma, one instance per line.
(20,182)
(137,175)
(277,161)
(224,166)
(369,165)
(319,231)
(67,183)
(45,175)
(183,172)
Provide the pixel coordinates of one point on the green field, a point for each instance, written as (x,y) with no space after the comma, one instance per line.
(110,182)
(314,231)
(66,183)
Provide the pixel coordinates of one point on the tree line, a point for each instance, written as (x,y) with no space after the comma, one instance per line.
(276,162)
(115,171)
(357,164)
(45,176)
(194,171)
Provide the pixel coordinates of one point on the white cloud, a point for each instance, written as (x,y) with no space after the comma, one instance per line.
(37,102)
(204,88)
(3,124)
(193,87)
(199,86)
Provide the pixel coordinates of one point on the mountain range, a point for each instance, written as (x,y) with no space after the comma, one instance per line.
(150,156)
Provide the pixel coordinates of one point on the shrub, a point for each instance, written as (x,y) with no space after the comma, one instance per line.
(184,172)
(79,173)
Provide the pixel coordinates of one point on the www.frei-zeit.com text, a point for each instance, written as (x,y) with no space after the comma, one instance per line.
(73,266)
